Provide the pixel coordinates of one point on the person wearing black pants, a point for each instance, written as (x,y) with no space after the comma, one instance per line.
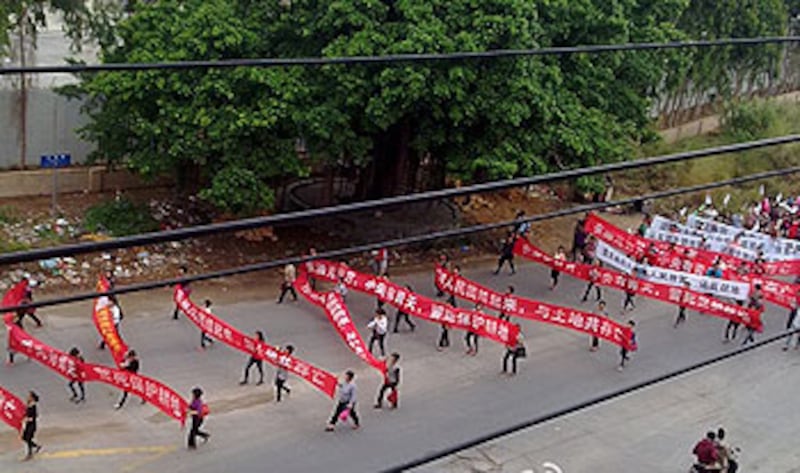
(28,299)
(444,337)
(513,353)
(347,400)
(594,275)
(76,380)
(506,254)
(182,272)
(29,425)
(628,301)
(289,276)
(18,322)
(197,410)
(601,311)
(471,340)
(257,362)
(205,340)
(402,316)
(390,382)
(682,307)
(281,376)
(380,326)
(131,364)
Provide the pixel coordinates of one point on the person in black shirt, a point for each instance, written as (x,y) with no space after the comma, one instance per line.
(131,364)
(390,382)
(507,254)
(27,299)
(403,316)
(259,364)
(18,322)
(76,380)
(29,425)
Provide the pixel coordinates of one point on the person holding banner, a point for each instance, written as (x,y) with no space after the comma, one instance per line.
(182,272)
(254,361)
(131,365)
(346,403)
(601,311)
(554,273)
(578,240)
(28,299)
(76,378)
(594,276)
(623,352)
(29,425)
(17,320)
(757,303)
(452,298)
(682,306)
(514,352)
(471,338)
(380,326)
(116,317)
(629,293)
(204,338)
(403,316)
(444,337)
(509,293)
(198,410)
(390,382)
(282,375)
(507,254)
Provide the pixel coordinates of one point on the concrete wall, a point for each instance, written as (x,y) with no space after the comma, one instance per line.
(52,121)
(71,180)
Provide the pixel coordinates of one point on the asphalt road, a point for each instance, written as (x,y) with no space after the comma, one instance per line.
(446,398)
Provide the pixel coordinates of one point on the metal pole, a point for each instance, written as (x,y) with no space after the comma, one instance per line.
(54,204)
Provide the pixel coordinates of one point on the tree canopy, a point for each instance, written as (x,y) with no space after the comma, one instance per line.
(238,133)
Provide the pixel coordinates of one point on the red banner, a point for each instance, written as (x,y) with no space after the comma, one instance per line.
(339,316)
(414,304)
(13,297)
(222,331)
(573,319)
(104,321)
(154,392)
(676,295)
(12,409)
(687,259)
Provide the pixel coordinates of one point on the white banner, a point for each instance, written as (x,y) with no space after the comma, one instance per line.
(705,284)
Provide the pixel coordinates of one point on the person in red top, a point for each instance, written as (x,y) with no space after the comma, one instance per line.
(706,453)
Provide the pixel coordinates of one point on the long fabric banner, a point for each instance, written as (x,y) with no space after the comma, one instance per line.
(12,409)
(690,260)
(13,297)
(688,298)
(573,319)
(335,309)
(225,333)
(774,248)
(414,304)
(104,321)
(156,393)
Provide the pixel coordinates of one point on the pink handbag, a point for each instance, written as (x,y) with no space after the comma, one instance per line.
(344,415)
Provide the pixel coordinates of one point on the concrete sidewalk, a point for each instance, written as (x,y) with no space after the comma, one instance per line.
(446,398)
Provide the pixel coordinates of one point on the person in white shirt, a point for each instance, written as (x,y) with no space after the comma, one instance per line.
(379,325)
(289,276)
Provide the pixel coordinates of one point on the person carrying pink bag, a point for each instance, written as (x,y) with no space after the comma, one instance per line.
(346,405)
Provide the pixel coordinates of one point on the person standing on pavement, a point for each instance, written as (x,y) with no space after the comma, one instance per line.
(390,382)
(131,365)
(205,340)
(554,273)
(795,327)
(594,277)
(282,375)
(403,316)
(682,306)
(198,410)
(757,303)
(76,379)
(380,262)
(623,352)
(312,253)
(29,425)
(380,326)
(513,352)
(444,263)
(444,337)
(289,276)
(509,293)
(578,241)
(116,318)
(183,271)
(629,292)
(601,311)
(507,254)
(27,298)
(17,320)
(726,453)
(257,362)
(347,402)
(451,299)
(471,338)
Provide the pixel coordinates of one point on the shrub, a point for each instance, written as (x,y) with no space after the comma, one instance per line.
(119,218)
(747,121)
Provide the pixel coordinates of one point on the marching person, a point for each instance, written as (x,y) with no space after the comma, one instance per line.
(28,299)
(257,362)
(451,299)
(17,320)
(182,272)
(282,375)
(578,240)
(629,293)
(403,316)
(131,365)
(75,378)
(204,338)
(444,263)
(682,306)
(727,453)
(507,254)
(198,410)
(29,425)
(509,293)
(601,311)
(554,273)
(594,276)
(347,402)
(341,289)
(289,276)
(513,352)
(471,338)
(390,382)
(380,326)
(312,253)
(757,303)
(623,352)
(444,337)
(795,327)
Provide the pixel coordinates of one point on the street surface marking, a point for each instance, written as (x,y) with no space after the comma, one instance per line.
(105,452)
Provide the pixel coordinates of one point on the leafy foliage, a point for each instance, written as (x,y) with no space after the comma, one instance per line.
(119,217)
(748,120)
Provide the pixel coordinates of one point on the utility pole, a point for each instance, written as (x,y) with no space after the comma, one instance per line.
(23,90)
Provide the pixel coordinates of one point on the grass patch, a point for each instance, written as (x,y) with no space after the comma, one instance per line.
(10,246)
(119,218)
(8,214)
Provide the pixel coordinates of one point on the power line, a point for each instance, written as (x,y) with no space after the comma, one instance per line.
(267,265)
(294,217)
(393,58)
(437,455)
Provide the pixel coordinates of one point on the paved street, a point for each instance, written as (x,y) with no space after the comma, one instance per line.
(446,398)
